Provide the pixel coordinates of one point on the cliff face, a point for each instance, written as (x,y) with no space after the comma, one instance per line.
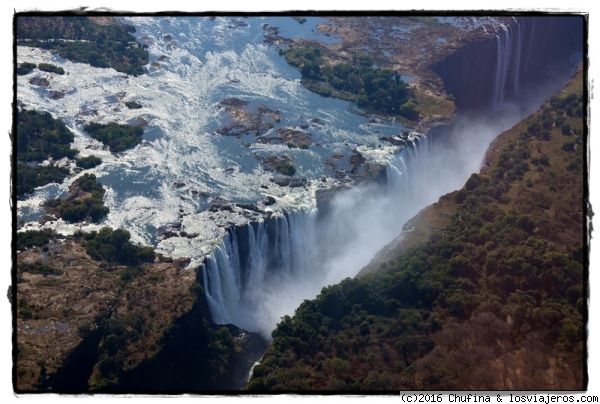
(62,314)
(506,66)
(85,324)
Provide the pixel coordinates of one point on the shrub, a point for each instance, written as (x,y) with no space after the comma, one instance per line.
(46,67)
(25,68)
(88,162)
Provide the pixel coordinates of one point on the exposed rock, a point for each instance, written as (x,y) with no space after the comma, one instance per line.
(279,164)
(249,206)
(56,95)
(244,121)
(356,162)
(269,200)
(39,81)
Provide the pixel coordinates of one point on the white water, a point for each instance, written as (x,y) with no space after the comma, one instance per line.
(291,257)
(509,41)
(255,273)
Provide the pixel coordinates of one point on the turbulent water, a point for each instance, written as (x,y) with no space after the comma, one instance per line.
(258,267)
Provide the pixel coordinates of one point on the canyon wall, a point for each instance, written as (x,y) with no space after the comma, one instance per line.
(506,67)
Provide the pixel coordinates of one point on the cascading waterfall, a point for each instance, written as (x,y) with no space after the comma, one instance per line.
(503,48)
(516,77)
(513,52)
(255,261)
(509,48)
(263,270)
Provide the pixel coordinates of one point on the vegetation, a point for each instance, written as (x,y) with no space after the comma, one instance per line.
(98,41)
(375,89)
(29,178)
(25,68)
(286,168)
(39,268)
(40,137)
(88,162)
(117,137)
(208,346)
(47,67)
(114,247)
(33,238)
(88,205)
(494,299)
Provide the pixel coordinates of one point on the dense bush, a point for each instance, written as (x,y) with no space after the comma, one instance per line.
(89,208)
(114,246)
(29,178)
(88,162)
(116,136)
(40,136)
(25,68)
(81,39)
(33,238)
(372,88)
(47,67)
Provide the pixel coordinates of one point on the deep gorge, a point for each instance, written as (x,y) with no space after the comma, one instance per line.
(495,83)
(525,63)
(263,269)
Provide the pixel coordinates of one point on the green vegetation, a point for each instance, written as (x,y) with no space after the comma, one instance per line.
(192,354)
(206,354)
(494,299)
(375,89)
(286,168)
(117,137)
(39,137)
(114,247)
(33,238)
(25,68)
(88,162)
(88,205)
(98,41)
(119,333)
(47,67)
(133,105)
(29,178)
(39,268)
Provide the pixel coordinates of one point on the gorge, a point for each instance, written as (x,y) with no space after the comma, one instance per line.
(258,242)
(496,82)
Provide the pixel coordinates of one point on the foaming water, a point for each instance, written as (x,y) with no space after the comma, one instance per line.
(259,266)
(183,164)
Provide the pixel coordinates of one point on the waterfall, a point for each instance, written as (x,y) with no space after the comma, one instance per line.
(263,270)
(508,64)
(255,261)
(516,73)
(502,62)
